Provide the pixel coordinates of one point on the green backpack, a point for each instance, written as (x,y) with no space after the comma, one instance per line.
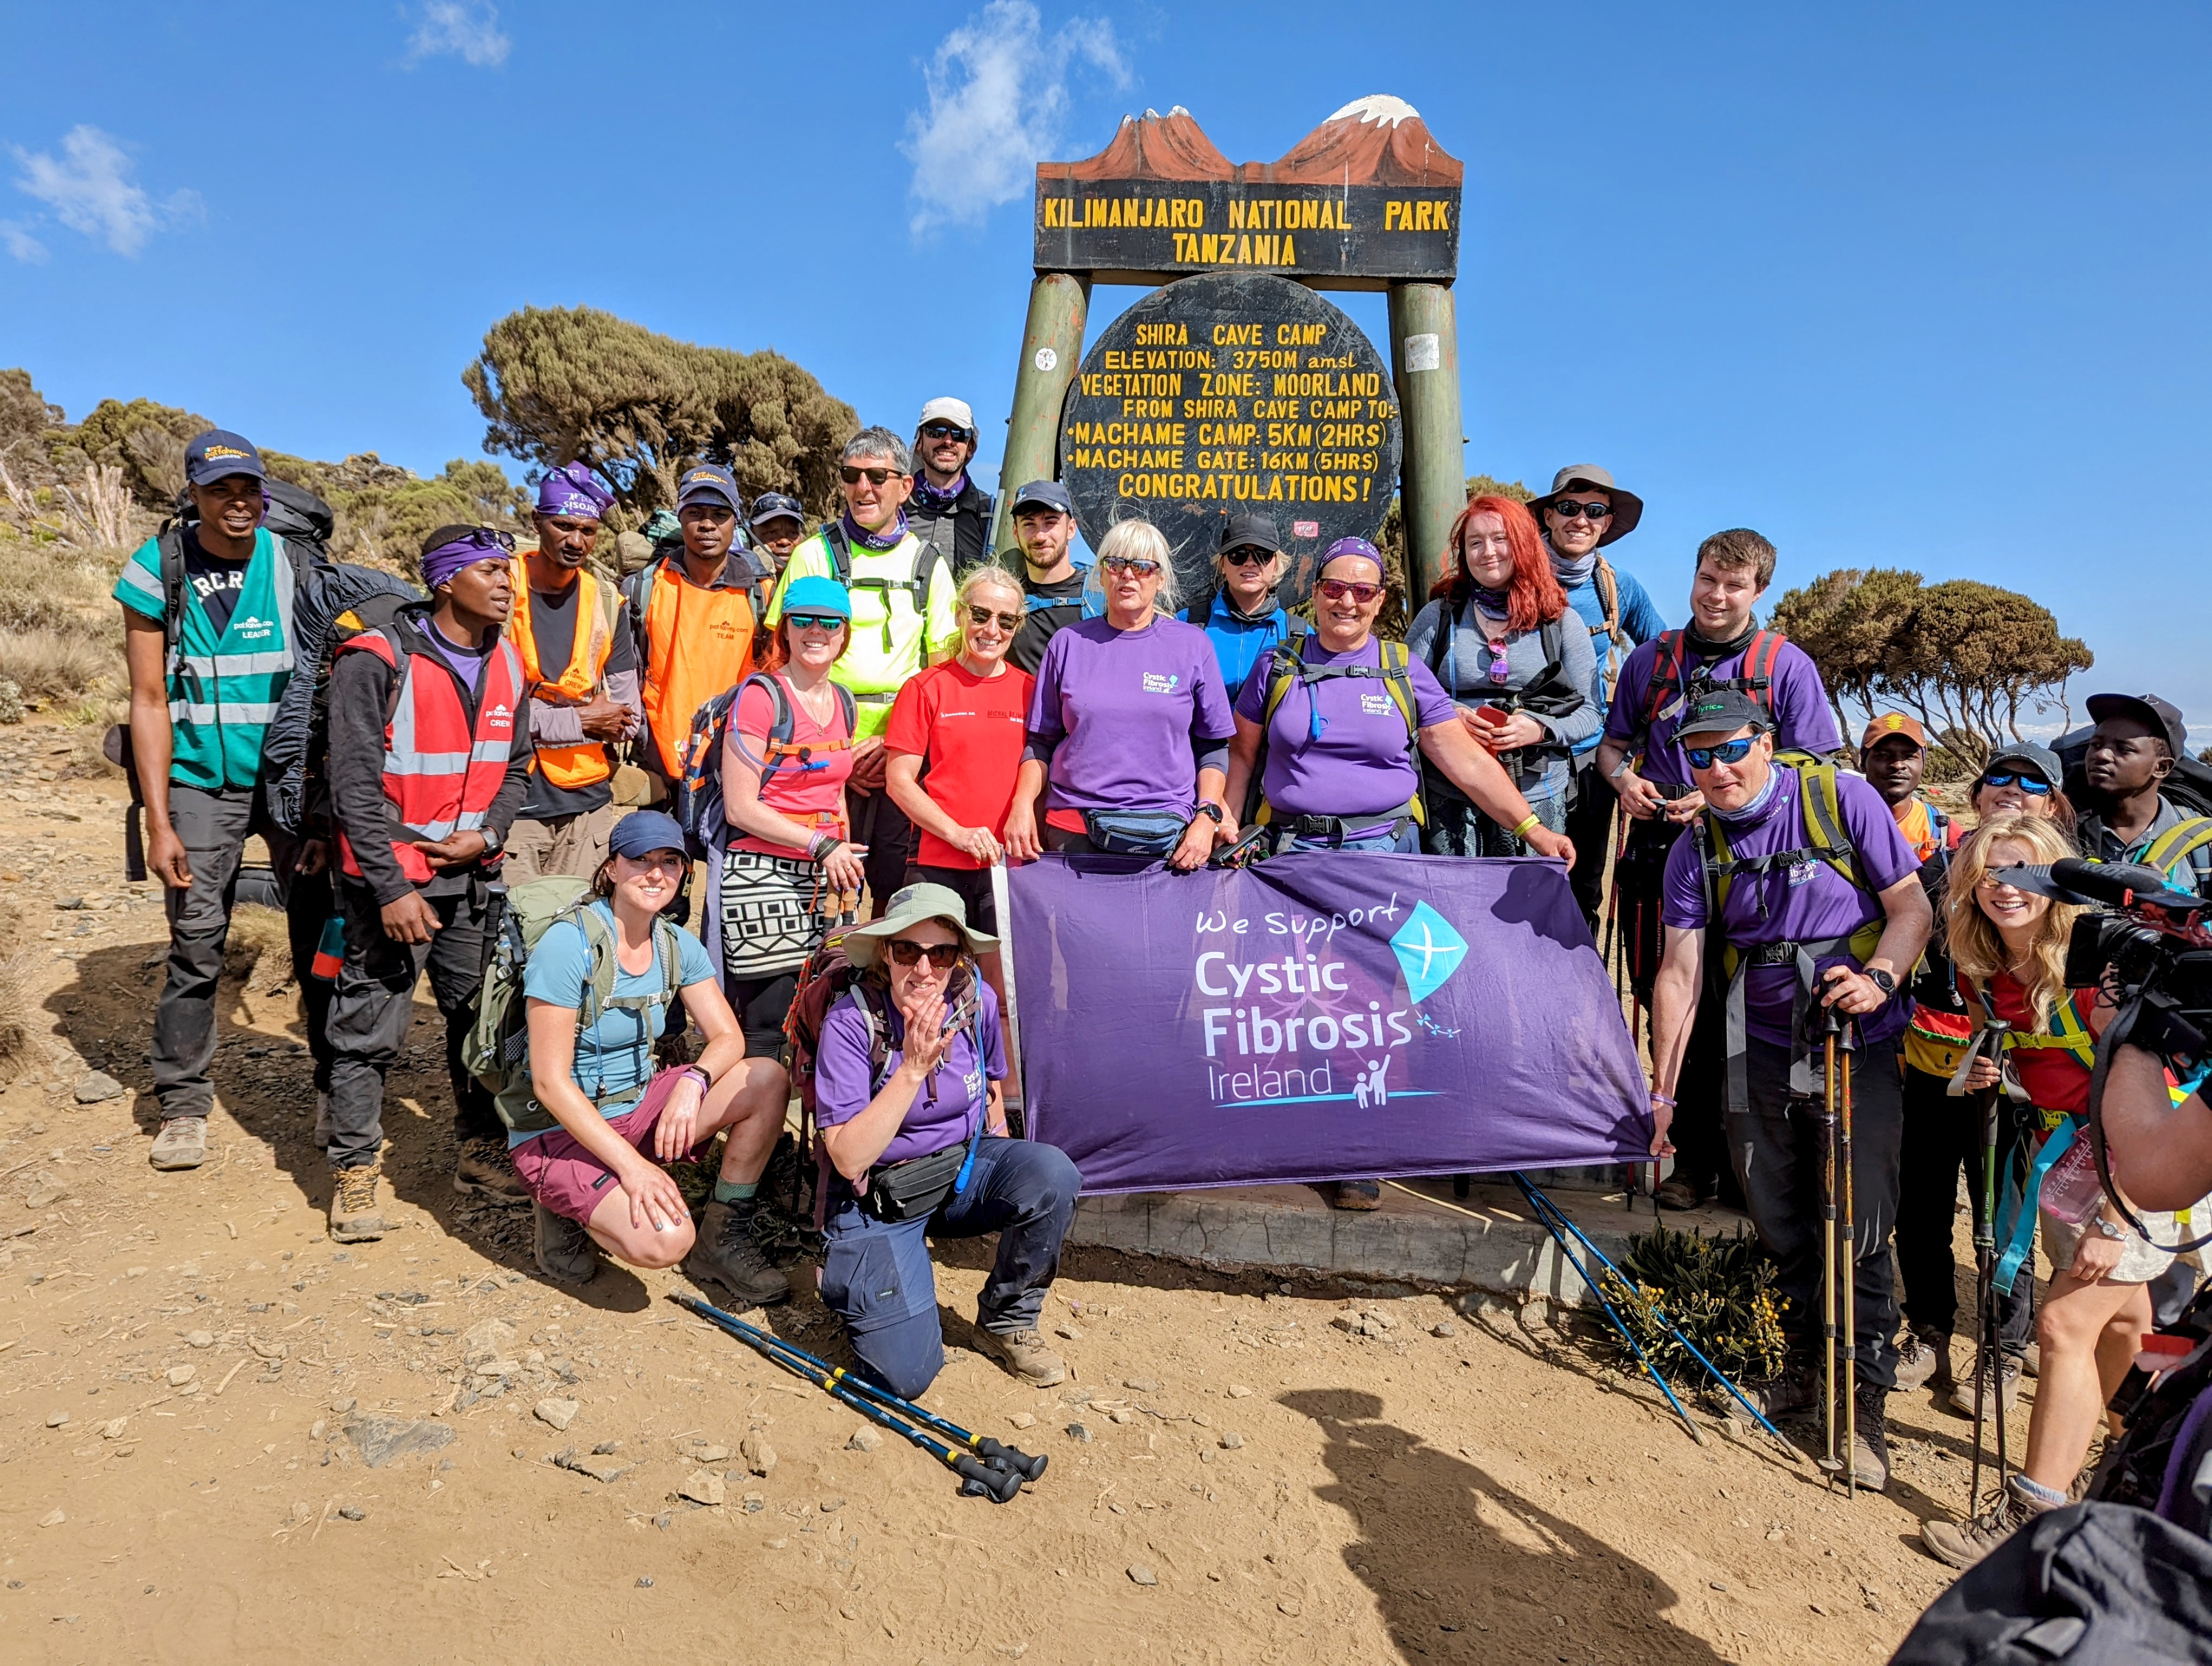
(497,1050)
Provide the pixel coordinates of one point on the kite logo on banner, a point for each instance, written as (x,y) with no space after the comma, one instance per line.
(1428,949)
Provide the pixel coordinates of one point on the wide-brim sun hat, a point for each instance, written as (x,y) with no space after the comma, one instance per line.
(909,906)
(1627,507)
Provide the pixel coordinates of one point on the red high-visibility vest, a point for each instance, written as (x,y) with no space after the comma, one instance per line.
(440,776)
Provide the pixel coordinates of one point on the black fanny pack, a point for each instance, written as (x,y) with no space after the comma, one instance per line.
(1133,832)
(916,1188)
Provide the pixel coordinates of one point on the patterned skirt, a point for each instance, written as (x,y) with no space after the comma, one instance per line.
(775,911)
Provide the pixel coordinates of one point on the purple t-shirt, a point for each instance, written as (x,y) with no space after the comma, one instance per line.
(1359,764)
(1800,706)
(1124,707)
(946,1109)
(468,663)
(1807,901)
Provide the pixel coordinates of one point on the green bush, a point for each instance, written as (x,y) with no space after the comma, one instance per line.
(1719,1292)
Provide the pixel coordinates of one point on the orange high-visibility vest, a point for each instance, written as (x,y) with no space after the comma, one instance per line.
(699,643)
(441,774)
(585,763)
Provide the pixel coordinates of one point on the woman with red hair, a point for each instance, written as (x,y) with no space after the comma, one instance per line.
(1497,639)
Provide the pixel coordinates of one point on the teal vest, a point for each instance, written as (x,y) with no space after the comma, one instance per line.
(223,690)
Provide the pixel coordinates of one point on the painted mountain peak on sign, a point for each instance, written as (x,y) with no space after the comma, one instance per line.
(1377,139)
(1378,106)
(1429,951)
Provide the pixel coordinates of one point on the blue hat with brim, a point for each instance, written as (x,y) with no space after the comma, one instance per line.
(813,593)
(641,832)
(218,455)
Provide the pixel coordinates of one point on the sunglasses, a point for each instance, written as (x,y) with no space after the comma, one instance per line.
(984,616)
(944,431)
(1247,555)
(814,621)
(851,475)
(1728,752)
(1337,589)
(2034,785)
(1143,570)
(1568,509)
(489,538)
(941,957)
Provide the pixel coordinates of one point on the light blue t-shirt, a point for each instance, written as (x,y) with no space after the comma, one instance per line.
(1640,621)
(616,1054)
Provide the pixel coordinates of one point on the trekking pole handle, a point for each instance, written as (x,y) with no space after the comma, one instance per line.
(982,1481)
(1000,1455)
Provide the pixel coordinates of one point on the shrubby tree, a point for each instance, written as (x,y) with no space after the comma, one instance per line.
(561,385)
(146,439)
(384,512)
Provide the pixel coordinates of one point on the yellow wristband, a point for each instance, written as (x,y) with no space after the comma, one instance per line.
(1531,820)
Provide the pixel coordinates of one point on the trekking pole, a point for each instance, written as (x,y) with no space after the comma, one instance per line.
(1828,1460)
(1590,1283)
(1847,1263)
(996,1454)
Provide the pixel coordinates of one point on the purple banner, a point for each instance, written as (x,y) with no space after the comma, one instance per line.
(1317,1016)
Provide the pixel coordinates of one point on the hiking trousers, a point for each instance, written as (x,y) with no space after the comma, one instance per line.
(880,825)
(1589,825)
(1776,1148)
(877,1278)
(214,827)
(374,1006)
(572,845)
(1943,1138)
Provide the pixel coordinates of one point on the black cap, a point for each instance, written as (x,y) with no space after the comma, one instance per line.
(1256,530)
(219,453)
(2026,754)
(1722,712)
(1043,494)
(775,506)
(2163,717)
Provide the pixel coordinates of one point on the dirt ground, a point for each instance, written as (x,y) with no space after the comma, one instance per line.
(193,1381)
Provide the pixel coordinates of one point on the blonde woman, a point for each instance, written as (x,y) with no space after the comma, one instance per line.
(2010,950)
(1129,727)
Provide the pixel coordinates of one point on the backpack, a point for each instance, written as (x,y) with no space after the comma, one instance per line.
(697,796)
(1286,668)
(1546,695)
(496,1050)
(337,603)
(916,584)
(298,516)
(1667,677)
(2188,788)
(1608,596)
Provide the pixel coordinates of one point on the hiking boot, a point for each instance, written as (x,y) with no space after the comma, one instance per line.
(1962,1395)
(1681,1191)
(181,1144)
(729,1253)
(1923,1356)
(483,1167)
(1023,1353)
(566,1254)
(1962,1544)
(1870,1439)
(1351,1195)
(1796,1388)
(355,1218)
(323,1129)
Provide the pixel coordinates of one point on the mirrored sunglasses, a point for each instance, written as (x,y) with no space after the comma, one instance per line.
(1337,589)
(1728,752)
(2034,785)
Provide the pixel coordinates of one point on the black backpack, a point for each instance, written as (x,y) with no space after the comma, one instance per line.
(336,602)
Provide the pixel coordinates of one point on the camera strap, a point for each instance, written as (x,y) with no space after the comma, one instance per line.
(2120,1033)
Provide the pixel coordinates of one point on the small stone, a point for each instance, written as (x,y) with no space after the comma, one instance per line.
(1141,1385)
(753,1504)
(1717,1584)
(1230,1440)
(704,1451)
(46,1196)
(1067,1333)
(486,1342)
(759,1456)
(606,1448)
(1121,1414)
(352,1512)
(180,1375)
(1023,1420)
(1077,1431)
(96,1087)
(56,1420)
(1205,1455)
(1445,1329)
(831,1506)
(1141,1575)
(112,1429)
(1349,1322)
(645,1582)
(864,1440)
(199,1339)
(556,1413)
(342,1406)
(702,1486)
(1289,1605)
(1238,1391)
(52,1518)
(380,1439)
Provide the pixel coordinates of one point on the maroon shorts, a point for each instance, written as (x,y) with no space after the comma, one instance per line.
(557,1170)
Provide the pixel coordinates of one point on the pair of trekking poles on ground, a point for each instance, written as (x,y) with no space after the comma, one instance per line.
(988,1468)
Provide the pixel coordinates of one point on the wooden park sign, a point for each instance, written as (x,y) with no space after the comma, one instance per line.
(1233,387)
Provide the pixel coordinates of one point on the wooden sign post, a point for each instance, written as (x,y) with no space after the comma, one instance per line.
(1233,389)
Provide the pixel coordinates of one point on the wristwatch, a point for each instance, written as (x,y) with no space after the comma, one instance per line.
(490,836)
(1208,807)
(2118,1234)
(1882,981)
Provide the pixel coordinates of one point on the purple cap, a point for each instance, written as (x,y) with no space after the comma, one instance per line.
(572,490)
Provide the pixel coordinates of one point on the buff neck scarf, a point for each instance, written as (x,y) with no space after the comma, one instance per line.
(938,502)
(860,536)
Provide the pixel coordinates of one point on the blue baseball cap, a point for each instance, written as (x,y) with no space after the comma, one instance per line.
(641,832)
(1043,494)
(775,506)
(703,481)
(814,593)
(219,453)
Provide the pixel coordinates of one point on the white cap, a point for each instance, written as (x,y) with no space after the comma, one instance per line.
(947,411)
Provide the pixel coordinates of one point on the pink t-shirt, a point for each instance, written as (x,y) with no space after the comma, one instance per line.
(808,788)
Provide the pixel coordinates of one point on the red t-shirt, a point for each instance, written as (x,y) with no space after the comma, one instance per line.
(969,731)
(813,797)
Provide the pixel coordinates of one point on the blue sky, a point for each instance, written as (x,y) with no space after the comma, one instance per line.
(1897,285)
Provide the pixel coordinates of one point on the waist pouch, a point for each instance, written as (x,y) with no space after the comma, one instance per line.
(1133,833)
(914,1189)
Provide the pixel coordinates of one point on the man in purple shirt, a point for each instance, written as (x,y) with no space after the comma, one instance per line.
(1642,757)
(1807,923)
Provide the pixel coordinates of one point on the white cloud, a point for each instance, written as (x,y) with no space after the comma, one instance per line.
(998,97)
(460,28)
(21,244)
(89,189)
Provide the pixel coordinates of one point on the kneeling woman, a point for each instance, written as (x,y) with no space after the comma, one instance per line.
(908,1102)
(597,1177)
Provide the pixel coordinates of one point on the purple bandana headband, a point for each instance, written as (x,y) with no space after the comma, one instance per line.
(439,564)
(571,490)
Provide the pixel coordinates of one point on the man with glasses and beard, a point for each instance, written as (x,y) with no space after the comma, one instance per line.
(949,512)
(902,594)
